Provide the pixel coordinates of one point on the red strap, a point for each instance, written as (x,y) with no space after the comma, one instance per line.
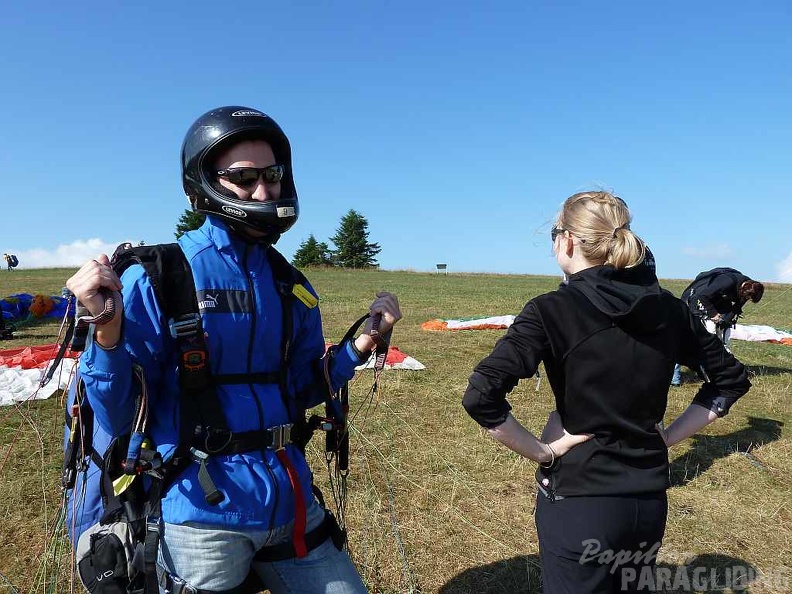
(298,533)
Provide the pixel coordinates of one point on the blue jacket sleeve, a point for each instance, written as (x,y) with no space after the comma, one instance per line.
(107,373)
(309,357)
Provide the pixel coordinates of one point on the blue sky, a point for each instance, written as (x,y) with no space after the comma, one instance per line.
(457,129)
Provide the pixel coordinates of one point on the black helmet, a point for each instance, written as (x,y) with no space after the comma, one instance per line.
(216,130)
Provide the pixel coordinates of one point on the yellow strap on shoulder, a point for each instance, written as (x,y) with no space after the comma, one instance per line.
(73,429)
(122,483)
(305,296)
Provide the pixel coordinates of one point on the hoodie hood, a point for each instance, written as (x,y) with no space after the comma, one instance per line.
(631,297)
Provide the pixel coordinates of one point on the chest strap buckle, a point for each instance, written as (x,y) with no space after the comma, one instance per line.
(281,436)
(185,326)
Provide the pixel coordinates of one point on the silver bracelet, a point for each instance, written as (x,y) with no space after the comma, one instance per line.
(552,458)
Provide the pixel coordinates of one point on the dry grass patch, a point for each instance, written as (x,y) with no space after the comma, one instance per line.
(434,504)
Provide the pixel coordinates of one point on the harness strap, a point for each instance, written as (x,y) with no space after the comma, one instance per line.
(80,421)
(67,337)
(150,552)
(281,552)
(212,494)
(337,406)
(171,277)
(175,585)
(199,403)
(298,531)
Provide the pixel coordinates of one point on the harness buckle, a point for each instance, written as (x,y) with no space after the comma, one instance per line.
(172,584)
(281,436)
(198,455)
(325,424)
(185,326)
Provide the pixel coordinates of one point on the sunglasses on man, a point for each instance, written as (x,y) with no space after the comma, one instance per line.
(245,177)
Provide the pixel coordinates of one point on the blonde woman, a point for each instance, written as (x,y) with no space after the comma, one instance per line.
(609,339)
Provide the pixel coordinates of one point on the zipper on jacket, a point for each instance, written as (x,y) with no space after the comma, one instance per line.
(259,408)
(548,486)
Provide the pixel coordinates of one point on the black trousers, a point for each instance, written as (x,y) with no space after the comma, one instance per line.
(601,544)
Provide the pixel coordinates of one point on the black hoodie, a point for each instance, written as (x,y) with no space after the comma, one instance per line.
(609,340)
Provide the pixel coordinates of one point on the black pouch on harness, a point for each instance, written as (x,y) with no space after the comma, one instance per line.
(106,559)
(110,554)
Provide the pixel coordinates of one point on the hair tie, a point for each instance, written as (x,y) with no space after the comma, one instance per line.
(625,226)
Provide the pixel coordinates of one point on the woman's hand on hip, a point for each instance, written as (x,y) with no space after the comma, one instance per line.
(558,438)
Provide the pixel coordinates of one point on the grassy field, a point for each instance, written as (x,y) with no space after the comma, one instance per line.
(434,504)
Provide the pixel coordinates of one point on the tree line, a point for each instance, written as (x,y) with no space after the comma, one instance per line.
(352,248)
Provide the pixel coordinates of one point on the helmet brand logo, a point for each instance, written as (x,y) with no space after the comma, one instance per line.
(285,211)
(247,112)
(234,212)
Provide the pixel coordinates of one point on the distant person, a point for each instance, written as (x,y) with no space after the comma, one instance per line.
(608,339)
(11,261)
(716,297)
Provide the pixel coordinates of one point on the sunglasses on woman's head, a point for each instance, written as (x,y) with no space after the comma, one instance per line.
(249,176)
(555,232)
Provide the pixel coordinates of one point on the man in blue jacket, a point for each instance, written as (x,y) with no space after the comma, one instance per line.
(237,169)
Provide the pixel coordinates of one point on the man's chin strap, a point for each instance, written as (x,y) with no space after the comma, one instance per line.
(241,231)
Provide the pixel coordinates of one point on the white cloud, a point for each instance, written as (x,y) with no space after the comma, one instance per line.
(717,250)
(784,268)
(74,254)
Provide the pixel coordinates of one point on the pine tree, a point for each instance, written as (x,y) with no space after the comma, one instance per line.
(190,219)
(353,249)
(312,253)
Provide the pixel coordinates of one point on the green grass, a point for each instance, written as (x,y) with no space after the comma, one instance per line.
(435,504)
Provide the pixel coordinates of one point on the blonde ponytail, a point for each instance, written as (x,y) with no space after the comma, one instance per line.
(602,222)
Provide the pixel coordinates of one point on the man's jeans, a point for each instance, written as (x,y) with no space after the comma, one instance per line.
(218,559)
